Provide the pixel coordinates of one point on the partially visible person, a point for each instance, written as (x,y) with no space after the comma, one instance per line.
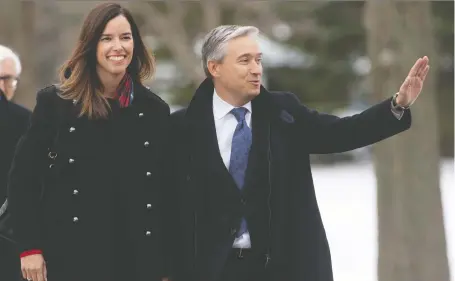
(13,123)
(96,141)
(13,117)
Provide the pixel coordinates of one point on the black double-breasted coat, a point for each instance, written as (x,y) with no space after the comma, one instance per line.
(89,193)
(279,202)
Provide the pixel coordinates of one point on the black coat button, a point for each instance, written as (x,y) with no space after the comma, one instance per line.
(233,231)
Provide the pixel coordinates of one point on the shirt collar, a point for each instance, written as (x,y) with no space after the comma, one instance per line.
(221,108)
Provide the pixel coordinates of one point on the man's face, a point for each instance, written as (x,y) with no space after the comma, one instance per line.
(240,71)
(8,77)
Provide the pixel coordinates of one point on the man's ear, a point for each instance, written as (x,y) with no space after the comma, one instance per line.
(213,68)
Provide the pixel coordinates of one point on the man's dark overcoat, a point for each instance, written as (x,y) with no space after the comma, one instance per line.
(278,199)
(13,123)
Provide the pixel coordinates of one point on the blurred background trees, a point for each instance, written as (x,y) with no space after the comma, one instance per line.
(412,244)
(314,49)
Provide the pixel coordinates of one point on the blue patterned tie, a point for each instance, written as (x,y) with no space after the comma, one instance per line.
(241,144)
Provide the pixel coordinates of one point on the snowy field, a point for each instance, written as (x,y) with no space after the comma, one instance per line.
(347,199)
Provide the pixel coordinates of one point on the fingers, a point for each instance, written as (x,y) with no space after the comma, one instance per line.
(414,70)
(31,275)
(40,273)
(419,67)
(423,65)
(27,274)
(34,271)
(424,73)
(35,274)
(24,274)
(45,272)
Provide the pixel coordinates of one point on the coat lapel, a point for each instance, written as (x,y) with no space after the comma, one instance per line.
(267,119)
(204,141)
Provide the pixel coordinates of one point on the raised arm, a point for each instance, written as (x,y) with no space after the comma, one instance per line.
(324,133)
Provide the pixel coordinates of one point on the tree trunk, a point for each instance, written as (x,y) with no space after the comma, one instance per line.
(48,50)
(16,32)
(10,17)
(412,245)
(26,90)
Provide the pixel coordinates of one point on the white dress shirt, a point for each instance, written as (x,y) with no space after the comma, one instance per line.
(225,124)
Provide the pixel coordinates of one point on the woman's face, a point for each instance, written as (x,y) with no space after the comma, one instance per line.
(115,47)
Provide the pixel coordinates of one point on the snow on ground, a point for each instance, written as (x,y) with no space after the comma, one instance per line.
(347,199)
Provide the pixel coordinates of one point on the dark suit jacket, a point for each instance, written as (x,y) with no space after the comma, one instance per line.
(298,240)
(13,123)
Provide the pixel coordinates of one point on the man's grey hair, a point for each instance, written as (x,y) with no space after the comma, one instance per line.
(7,53)
(215,42)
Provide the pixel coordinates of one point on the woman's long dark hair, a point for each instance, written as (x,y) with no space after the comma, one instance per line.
(78,76)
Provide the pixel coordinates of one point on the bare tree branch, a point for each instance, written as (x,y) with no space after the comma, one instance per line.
(155,18)
(170,25)
(170,28)
(267,18)
(212,14)
(176,10)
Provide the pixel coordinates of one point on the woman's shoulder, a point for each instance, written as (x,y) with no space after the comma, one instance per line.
(48,92)
(50,96)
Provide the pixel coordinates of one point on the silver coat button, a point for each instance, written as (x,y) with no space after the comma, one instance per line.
(75,192)
(74,101)
(71,161)
(72,129)
(149,174)
(149,206)
(52,155)
(148,233)
(141,114)
(75,219)
(146,144)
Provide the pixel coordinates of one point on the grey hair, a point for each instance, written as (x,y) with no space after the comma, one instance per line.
(7,53)
(215,42)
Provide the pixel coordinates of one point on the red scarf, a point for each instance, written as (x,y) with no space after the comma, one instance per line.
(125,93)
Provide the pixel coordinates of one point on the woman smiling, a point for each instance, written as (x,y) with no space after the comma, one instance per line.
(96,142)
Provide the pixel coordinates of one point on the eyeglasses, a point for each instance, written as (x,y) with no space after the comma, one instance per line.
(14,80)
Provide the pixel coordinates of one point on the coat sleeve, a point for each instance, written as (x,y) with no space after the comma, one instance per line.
(324,133)
(26,173)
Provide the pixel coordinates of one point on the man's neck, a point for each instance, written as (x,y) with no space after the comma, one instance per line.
(232,99)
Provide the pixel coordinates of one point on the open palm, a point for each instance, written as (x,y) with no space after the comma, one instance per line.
(413,84)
